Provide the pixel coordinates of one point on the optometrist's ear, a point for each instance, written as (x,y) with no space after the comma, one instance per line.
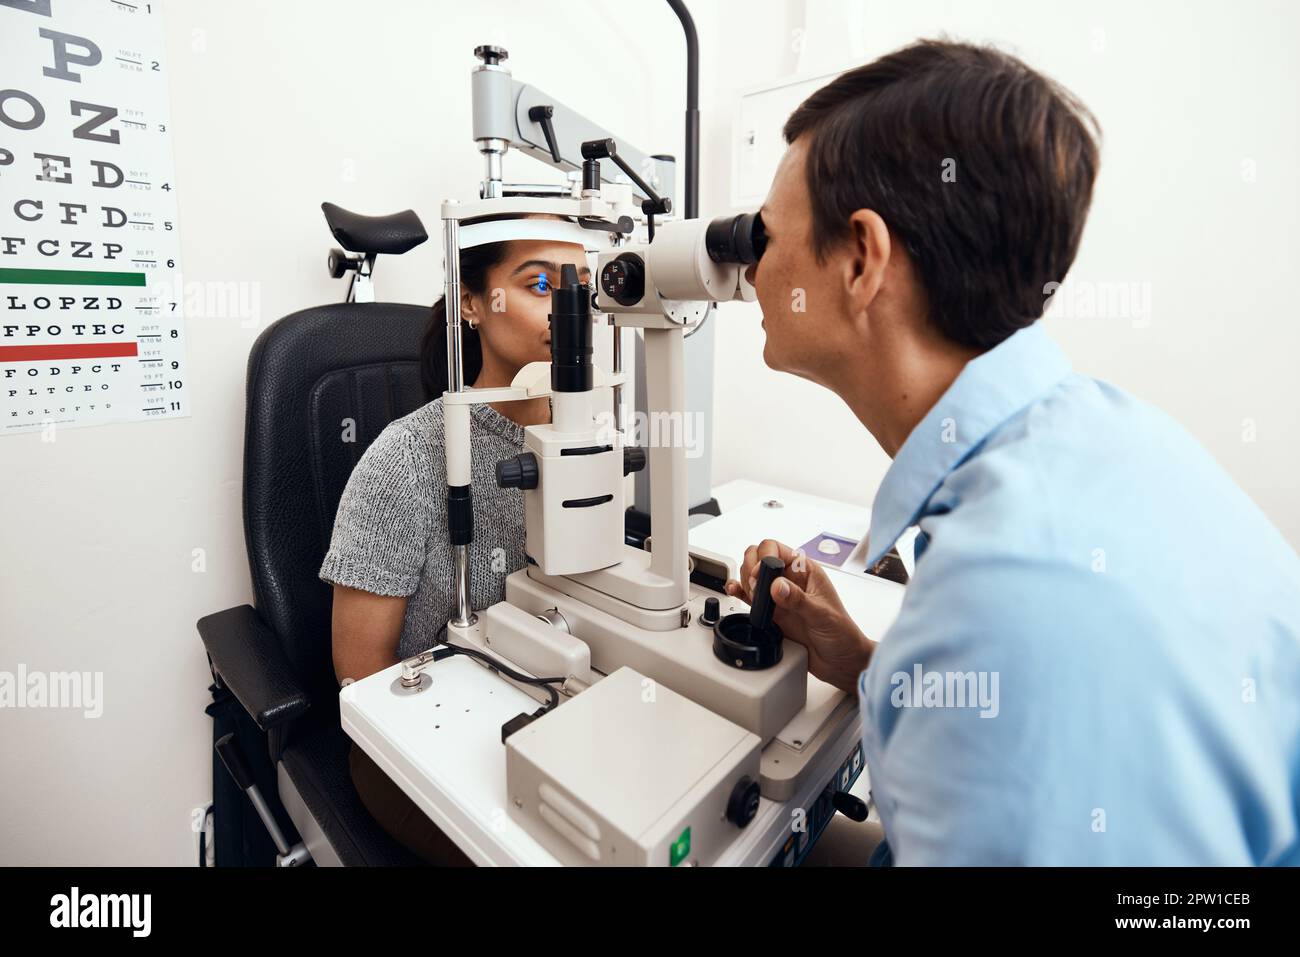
(866,258)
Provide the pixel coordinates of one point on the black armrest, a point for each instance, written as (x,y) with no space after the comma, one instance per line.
(247,655)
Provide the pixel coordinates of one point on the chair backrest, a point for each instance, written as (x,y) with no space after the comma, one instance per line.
(322,384)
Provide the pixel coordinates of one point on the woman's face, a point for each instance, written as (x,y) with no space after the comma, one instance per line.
(512,315)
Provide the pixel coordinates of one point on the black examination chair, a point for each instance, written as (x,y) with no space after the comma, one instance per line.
(312,376)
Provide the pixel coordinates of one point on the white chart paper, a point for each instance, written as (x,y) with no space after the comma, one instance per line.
(91,331)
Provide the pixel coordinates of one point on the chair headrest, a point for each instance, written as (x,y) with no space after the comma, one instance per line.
(389,235)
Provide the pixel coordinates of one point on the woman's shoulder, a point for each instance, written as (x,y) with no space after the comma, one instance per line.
(422,434)
(415,438)
(425,424)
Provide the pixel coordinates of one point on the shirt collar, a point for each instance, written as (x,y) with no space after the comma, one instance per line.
(991,388)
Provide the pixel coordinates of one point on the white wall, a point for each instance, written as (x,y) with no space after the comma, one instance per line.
(278,106)
(1192,97)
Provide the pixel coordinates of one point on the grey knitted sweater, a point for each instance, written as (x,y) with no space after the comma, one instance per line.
(390,532)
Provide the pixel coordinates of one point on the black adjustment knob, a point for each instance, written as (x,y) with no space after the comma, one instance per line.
(711,613)
(743,803)
(491,55)
(854,808)
(623,279)
(337,263)
(633,459)
(518,472)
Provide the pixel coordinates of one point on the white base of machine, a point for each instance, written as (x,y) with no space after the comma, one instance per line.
(631,776)
(793,715)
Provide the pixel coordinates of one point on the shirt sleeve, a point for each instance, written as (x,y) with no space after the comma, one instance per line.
(987,738)
(381,529)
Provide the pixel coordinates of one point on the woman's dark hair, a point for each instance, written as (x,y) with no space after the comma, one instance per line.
(475,263)
(981,167)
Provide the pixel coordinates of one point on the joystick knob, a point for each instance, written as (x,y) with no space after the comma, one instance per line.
(752,640)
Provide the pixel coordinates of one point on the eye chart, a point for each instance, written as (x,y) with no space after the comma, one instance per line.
(91,329)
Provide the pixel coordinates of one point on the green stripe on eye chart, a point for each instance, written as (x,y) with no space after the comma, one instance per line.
(72,277)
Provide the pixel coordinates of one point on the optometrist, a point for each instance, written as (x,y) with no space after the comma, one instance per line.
(1139,613)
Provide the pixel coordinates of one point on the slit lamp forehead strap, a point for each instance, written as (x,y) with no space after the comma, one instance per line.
(552,230)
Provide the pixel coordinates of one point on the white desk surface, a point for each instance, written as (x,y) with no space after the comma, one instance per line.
(747,519)
(443,746)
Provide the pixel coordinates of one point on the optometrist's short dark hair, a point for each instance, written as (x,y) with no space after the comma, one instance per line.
(981,167)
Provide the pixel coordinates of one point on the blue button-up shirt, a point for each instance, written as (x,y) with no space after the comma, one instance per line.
(1097,659)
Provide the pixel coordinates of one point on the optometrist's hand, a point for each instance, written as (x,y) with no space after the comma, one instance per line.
(810,612)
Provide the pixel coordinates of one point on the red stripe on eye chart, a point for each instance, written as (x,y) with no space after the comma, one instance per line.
(98,350)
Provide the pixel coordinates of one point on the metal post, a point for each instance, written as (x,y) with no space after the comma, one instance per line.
(451,302)
(618,368)
(462,613)
(493,150)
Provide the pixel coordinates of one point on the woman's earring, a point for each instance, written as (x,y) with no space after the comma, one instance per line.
(471,323)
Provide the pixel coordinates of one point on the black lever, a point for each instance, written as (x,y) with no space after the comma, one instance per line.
(852,807)
(542,115)
(655,205)
(233,758)
(624,224)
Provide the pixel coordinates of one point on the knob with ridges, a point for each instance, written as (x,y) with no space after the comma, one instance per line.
(709,617)
(518,472)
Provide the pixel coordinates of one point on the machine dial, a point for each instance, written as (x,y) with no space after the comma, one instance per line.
(623,279)
(743,803)
(518,472)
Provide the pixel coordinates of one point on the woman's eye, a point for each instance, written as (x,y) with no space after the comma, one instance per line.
(543,286)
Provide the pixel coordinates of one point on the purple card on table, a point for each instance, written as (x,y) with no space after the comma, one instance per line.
(829,549)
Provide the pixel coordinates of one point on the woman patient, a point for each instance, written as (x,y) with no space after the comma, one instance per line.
(390,558)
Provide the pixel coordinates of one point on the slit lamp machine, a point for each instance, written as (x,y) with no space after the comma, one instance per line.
(667,708)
